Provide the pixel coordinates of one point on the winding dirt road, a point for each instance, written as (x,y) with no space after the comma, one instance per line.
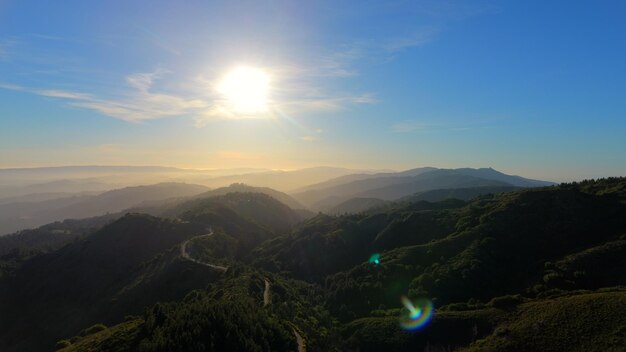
(266,292)
(185,254)
(300,340)
(267,299)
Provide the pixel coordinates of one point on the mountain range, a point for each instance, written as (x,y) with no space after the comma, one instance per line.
(393,186)
(22,215)
(79,197)
(243,271)
(237,269)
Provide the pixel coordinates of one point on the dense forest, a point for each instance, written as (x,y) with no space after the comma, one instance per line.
(537,269)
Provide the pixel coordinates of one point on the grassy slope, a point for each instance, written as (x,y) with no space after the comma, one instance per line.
(585,323)
(114,339)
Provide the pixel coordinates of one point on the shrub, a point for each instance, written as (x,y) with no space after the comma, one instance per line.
(62,344)
(456,307)
(502,331)
(93,329)
(506,302)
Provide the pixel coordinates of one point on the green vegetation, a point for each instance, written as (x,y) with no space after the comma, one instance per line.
(585,322)
(528,270)
(227,316)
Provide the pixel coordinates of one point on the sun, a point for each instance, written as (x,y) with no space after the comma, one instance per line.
(246,90)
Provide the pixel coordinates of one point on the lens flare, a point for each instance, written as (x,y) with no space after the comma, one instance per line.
(419,313)
(375,259)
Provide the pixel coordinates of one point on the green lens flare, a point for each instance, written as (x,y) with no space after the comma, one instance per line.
(375,259)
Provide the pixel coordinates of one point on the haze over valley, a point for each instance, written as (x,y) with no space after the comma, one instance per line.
(80,192)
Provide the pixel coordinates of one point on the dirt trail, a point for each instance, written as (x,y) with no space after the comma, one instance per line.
(300,340)
(185,254)
(266,292)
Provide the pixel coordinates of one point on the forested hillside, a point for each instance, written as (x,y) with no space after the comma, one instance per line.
(527,270)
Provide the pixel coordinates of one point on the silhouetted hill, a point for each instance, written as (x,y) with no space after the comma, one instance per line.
(438,179)
(280,180)
(53,236)
(175,206)
(355,205)
(17,216)
(259,208)
(398,185)
(363,176)
(491,174)
(54,294)
(73,187)
(19,247)
(243,188)
(38,197)
(456,193)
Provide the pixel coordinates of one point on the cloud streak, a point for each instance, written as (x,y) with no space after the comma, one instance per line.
(417,39)
(143,102)
(408,126)
(138,105)
(296,89)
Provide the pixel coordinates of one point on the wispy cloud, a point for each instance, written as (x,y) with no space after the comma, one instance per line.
(340,63)
(416,39)
(142,101)
(138,104)
(12,87)
(312,137)
(63,94)
(5,46)
(303,88)
(327,103)
(309,138)
(408,126)
(345,61)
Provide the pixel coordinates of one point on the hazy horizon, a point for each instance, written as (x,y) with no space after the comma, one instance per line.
(540,174)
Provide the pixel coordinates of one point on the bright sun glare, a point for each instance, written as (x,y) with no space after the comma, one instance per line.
(246,90)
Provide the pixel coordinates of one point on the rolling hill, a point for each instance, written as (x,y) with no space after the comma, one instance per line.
(128,264)
(284,181)
(44,298)
(398,185)
(18,216)
(530,269)
(355,205)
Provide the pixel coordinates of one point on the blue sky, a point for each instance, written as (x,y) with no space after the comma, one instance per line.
(536,88)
